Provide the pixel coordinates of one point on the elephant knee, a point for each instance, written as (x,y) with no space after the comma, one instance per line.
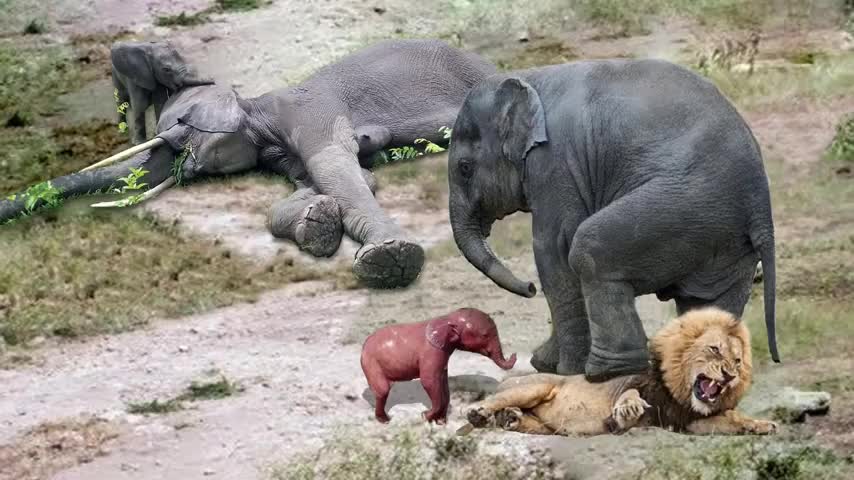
(584,254)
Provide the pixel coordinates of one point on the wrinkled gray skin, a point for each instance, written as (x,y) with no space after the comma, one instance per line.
(383,96)
(640,178)
(146,73)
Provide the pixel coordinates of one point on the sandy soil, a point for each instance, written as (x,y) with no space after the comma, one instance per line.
(295,351)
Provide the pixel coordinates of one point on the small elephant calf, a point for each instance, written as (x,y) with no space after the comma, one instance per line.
(421,350)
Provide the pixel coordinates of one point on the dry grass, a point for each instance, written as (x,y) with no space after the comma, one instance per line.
(411,454)
(66,274)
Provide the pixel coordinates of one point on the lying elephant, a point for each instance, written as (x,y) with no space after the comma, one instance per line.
(145,74)
(386,95)
(640,177)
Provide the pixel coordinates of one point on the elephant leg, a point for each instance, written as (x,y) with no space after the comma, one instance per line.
(388,258)
(371,139)
(139,101)
(158,99)
(568,347)
(309,219)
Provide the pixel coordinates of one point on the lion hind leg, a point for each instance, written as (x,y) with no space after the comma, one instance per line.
(533,379)
(515,420)
(731,422)
(524,397)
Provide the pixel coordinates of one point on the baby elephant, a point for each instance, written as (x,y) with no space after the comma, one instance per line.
(421,350)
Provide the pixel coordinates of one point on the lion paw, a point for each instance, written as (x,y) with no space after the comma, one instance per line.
(509,418)
(760,427)
(480,417)
(629,409)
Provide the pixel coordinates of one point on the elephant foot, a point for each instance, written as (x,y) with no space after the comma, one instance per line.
(316,228)
(391,264)
(603,366)
(320,230)
(545,358)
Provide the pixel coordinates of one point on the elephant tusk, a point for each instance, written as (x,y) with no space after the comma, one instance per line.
(154,142)
(168,183)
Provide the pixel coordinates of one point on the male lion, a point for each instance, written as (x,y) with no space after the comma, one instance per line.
(700,368)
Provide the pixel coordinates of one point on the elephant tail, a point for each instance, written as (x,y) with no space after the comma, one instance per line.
(762,238)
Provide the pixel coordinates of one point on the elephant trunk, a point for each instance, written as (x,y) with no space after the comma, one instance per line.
(496,355)
(471,241)
(158,162)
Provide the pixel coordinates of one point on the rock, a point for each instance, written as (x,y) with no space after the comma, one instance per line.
(183,348)
(208,472)
(379,10)
(792,406)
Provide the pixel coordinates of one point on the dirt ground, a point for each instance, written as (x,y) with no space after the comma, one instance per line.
(295,351)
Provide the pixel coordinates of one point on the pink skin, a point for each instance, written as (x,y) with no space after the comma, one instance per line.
(421,350)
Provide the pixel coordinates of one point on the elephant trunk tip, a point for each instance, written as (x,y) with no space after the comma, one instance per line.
(509,363)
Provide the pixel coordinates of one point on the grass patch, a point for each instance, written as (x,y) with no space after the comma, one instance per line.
(739,458)
(185,19)
(549,52)
(32,155)
(31,79)
(842,147)
(197,391)
(826,78)
(68,274)
(155,407)
(35,27)
(411,455)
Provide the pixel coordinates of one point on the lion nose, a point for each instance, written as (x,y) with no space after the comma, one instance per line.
(727,377)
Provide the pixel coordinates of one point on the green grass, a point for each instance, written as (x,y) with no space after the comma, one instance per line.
(196,391)
(71,274)
(731,458)
(31,79)
(185,19)
(842,147)
(31,155)
(410,454)
(826,78)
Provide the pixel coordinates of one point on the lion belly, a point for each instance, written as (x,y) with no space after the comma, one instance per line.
(580,407)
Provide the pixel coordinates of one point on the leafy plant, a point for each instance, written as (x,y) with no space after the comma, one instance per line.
(131,184)
(182,19)
(121,108)
(45,192)
(407,152)
(178,164)
(211,390)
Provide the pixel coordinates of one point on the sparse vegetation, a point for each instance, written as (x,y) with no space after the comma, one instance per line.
(411,455)
(736,458)
(69,274)
(842,147)
(35,27)
(197,391)
(185,19)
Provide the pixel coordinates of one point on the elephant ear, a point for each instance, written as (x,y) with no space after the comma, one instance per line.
(521,120)
(441,334)
(210,109)
(132,60)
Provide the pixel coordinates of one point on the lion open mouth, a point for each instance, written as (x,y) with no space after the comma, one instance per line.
(707,390)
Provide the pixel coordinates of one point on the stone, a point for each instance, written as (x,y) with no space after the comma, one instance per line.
(793,406)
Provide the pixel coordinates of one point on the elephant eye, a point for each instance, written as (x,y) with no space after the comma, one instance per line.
(466,169)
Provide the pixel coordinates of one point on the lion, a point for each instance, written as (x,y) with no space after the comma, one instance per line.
(700,368)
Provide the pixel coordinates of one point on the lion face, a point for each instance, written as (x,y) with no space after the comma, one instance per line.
(705,359)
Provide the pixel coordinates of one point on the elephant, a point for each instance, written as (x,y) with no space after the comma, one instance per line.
(640,177)
(319,134)
(145,74)
(421,350)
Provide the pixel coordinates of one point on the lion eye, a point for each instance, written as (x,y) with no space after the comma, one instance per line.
(738,361)
(715,350)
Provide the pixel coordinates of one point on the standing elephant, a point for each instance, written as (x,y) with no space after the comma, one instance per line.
(146,73)
(640,177)
(386,95)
